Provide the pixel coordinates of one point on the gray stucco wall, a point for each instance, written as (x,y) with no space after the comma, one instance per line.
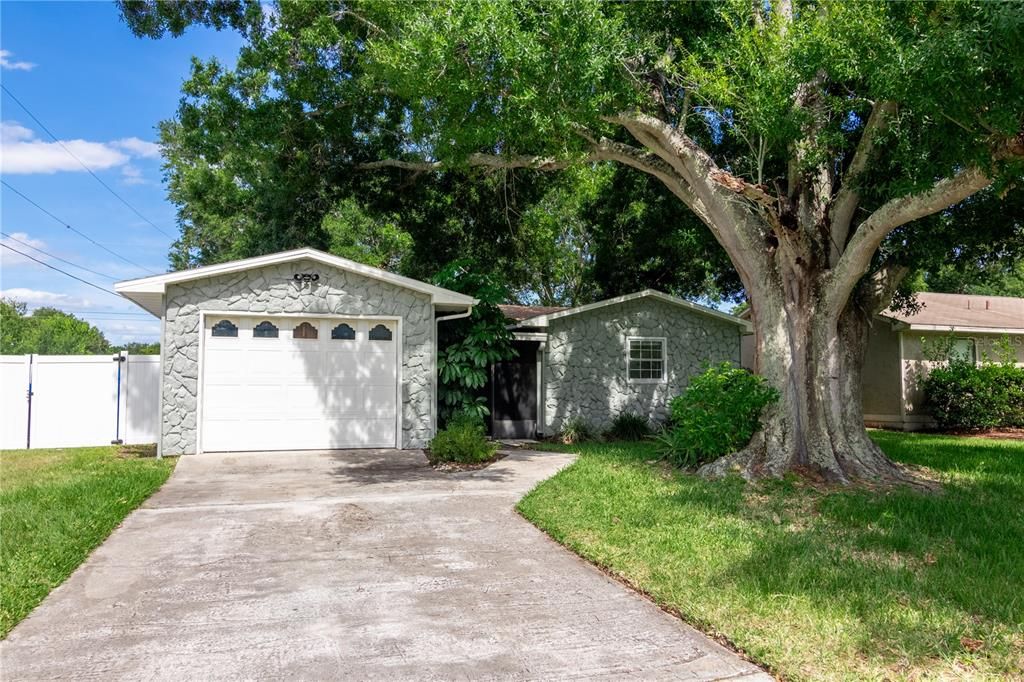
(271,290)
(584,370)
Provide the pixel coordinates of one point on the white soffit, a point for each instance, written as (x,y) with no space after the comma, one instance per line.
(543,320)
(148,292)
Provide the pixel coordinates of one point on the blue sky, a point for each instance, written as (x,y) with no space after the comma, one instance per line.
(101,91)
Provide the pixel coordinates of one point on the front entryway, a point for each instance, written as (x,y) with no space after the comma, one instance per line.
(513,393)
(291,382)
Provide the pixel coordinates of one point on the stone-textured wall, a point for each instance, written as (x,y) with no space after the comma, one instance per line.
(271,290)
(585,362)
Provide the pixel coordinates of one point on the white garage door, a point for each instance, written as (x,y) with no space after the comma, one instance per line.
(283,383)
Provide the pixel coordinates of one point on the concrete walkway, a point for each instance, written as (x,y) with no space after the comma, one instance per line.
(359,565)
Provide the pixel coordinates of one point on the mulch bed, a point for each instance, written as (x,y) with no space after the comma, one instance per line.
(454,467)
(1001,434)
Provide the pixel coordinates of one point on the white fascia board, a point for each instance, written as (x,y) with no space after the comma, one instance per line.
(1013,331)
(543,320)
(158,283)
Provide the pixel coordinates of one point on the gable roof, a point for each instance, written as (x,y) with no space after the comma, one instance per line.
(963,312)
(148,292)
(543,319)
(517,313)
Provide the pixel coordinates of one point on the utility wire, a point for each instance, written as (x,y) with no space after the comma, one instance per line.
(62,260)
(78,232)
(82,163)
(63,272)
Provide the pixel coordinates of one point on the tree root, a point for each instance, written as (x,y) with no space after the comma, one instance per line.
(872,470)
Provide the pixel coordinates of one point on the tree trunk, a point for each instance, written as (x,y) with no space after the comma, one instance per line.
(813,357)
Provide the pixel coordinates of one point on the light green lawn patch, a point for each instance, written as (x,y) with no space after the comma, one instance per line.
(55,507)
(843,584)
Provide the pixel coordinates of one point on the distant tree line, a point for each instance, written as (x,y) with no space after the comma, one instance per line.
(48,331)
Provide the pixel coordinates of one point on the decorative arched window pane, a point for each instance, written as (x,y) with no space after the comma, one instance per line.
(225,328)
(343,332)
(380,333)
(304,331)
(264,330)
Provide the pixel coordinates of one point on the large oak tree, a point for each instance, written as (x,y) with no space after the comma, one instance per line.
(823,145)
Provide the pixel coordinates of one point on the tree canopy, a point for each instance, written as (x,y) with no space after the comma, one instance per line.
(829,148)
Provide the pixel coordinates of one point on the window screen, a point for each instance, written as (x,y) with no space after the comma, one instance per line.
(647,359)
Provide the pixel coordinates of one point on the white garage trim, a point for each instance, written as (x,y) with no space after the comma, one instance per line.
(147,292)
(204,314)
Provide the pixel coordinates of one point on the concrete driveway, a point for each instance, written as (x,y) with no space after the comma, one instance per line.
(353,565)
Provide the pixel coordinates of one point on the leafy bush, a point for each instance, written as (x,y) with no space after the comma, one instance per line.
(718,414)
(629,426)
(463,440)
(576,430)
(965,396)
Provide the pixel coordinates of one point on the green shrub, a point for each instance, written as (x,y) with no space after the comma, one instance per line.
(717,414)
(576,430)
(629,426)
(965,396)
(463,440)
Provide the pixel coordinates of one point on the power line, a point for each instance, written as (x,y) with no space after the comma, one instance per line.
(45,264)
(62,260)
(76,231)
(82,163)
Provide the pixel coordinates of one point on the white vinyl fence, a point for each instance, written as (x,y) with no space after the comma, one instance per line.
(56,401)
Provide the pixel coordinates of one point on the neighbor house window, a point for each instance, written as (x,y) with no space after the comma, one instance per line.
(264,330)
(963,349)
(304,331)
(380,333)
(225,328)
(343,332)
(646,358)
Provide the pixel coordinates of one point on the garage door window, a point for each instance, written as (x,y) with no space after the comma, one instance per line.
(380,333)
(225,328)
(264,330)
(343,332)
(304,331)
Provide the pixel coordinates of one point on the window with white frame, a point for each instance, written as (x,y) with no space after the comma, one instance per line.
(646,358)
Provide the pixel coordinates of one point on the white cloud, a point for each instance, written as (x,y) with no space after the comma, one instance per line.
(18,241)
(11,131)
(8,65)
(36,297)
(131,175)
(22,153)
(138,148)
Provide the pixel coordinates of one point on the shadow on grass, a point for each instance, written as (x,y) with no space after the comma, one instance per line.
(898,578)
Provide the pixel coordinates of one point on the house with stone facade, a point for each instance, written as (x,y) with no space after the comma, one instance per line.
(631,353)
(305,350)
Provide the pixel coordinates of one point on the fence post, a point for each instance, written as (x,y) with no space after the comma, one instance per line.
(28,397)
(120,360)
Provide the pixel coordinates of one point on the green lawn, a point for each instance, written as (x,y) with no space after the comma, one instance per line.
(816,585)
(55,507)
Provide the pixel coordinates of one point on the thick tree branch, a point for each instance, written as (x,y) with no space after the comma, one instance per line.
(869,235)
(544,163)
(848,198)
(729,203)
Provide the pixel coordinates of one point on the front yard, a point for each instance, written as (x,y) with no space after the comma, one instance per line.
(55,507)
(817,584)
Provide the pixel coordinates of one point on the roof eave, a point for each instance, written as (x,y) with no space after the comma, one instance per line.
(158,283)
(544,320)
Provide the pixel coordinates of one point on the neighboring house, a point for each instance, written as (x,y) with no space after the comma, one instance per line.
(305,350)
(897,349)
(632,353)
